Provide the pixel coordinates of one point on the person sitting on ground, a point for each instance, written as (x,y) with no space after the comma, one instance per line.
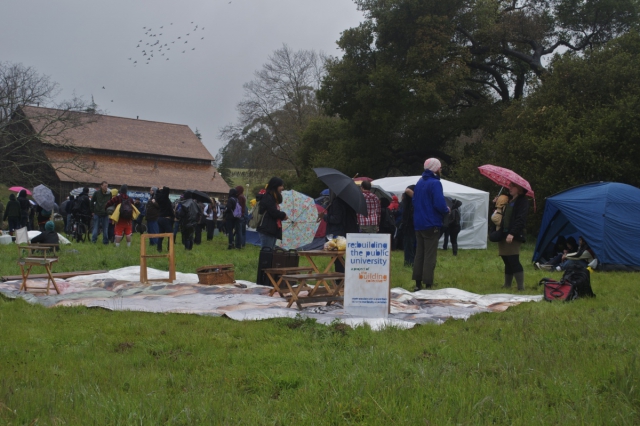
(570,245)
(48,236)
(582,257)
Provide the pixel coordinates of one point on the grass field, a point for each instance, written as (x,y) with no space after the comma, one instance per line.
(537,363)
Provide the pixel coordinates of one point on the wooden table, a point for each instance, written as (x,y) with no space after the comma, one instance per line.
(335,255)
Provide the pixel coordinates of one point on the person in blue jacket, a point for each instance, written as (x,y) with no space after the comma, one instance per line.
(429,207)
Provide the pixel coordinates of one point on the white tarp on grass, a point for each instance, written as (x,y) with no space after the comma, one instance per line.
(474,211)
(120,290)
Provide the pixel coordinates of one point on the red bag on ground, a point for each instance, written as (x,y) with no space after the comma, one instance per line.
(554,290)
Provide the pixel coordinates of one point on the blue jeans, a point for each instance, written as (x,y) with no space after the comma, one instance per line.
(267,240)
(97,222)
(153,228)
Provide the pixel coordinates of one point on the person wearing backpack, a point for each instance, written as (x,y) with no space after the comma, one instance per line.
(189,214)
(270,229)
(211,215)
(232,216)
(82,207)
(123,216)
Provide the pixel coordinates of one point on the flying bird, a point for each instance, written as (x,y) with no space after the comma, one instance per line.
(161,27)
(111,100)
(135,62)
(138,46)
(202,38)
(193,48)
(103,87)
(183,51)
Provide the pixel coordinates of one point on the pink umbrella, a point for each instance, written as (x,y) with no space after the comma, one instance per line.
(504,177)
(18,189)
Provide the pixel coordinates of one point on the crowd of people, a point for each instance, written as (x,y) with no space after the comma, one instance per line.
(415,223)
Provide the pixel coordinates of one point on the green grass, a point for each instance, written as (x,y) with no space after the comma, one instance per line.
(537,363)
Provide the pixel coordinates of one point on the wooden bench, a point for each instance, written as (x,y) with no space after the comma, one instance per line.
(38,255)
(320,291)
(272,273)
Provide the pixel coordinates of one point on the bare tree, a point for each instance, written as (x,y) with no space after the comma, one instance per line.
(31,135)
(278,103)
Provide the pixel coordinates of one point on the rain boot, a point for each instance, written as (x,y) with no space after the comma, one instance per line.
(519,280)
(508,278)
(454,247)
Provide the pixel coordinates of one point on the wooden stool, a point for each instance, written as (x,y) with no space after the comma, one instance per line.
(273,272)
(327,294)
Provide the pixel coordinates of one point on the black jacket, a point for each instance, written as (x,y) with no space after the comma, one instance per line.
(519,213)
(341,219)
(46,237)
(269,225)
(12,210)
(164,203)
(25,205)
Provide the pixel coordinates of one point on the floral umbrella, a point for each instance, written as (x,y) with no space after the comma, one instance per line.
(302,223)
(504,177)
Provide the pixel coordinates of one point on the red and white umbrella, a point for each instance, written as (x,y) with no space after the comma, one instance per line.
(504,177)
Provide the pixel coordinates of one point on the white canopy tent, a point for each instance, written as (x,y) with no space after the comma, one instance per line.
(474,212)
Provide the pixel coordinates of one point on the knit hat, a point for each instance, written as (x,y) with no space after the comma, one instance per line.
(154,189)
(432,164)
(124,189)
(85,190)
(114,192)
(49,226)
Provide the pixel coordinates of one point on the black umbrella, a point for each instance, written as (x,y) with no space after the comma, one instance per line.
(344,187)
(200,196)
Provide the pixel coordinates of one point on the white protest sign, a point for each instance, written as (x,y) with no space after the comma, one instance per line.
(367,275)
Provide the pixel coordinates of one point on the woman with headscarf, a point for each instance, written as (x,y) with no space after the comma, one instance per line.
(48,236)
(513,223)
(270,227)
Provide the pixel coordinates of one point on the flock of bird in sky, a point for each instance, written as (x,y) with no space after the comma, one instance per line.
(163,42)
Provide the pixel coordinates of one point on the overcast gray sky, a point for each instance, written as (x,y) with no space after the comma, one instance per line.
(84,45)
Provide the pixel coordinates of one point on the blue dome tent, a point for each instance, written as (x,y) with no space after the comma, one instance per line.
(606,214)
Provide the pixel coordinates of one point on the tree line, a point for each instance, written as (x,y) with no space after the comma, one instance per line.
(546,88)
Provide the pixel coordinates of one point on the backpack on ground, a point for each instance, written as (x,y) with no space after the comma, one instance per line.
(557,290)
(575,283)
(126,209)
(237,211)
(580,278)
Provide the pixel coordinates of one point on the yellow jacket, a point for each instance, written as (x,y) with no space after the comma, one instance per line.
(116,213)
